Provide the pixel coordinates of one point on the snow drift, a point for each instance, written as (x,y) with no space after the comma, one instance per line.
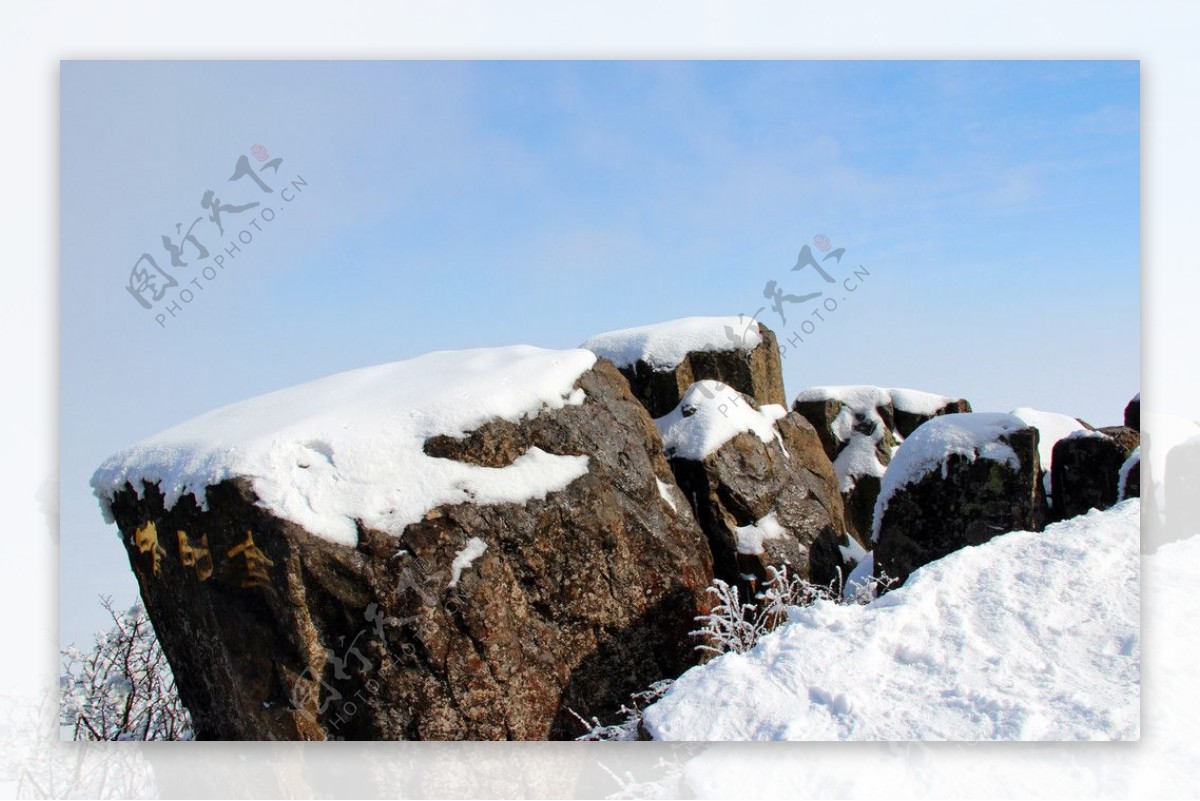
(1031,636)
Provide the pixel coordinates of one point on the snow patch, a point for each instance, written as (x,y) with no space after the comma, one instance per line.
(859,458)
(914,401)
(970,435)
(663,346)
(1030,636)
(861,577)
(664,492)
(853,552)
(750,538)
(349,447)
(709,415)
(474,549)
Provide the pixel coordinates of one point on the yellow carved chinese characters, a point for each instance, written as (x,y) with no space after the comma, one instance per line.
(145,539)
(194,554)
(256,562)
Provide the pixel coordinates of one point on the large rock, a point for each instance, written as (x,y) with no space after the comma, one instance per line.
(860,427)
(1133,413)
(1086,470)
(662,361)
(490,616)
(761,485)
(958,480)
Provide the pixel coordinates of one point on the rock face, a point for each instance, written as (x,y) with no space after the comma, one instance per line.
(1128,438)
(1133,413)
(662,361)
(765,496)
(479,622)
(860,427)
(1085,473)
(941,494)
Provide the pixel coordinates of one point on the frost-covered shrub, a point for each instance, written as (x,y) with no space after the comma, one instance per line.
(123,688)
(627,729)
(736,626)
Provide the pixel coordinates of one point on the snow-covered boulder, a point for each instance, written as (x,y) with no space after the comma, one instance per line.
(958,480)
(461,545)
(662,360)
(913,407)
(1086,470)
(1032,636)
(860,427)
(760,483)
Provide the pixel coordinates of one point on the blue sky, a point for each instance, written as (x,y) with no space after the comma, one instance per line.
(462,204)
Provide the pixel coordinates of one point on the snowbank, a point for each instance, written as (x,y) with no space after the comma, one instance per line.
(350,447)
(663,346)
(711,414)
(971,435)
(1031,636)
